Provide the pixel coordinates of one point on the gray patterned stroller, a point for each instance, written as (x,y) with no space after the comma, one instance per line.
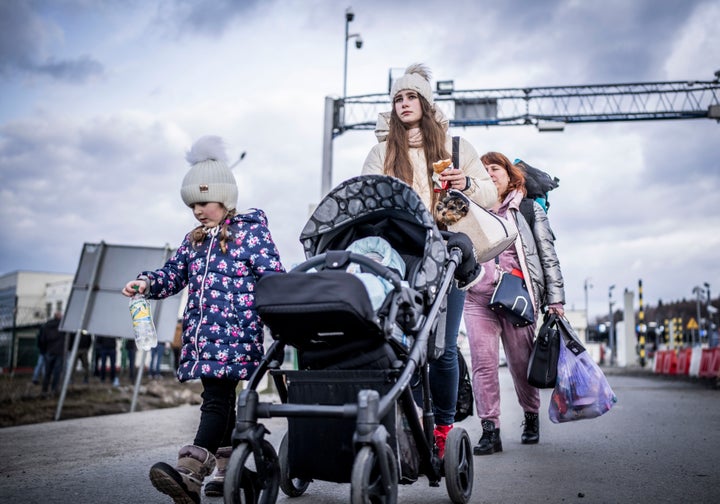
(352,404)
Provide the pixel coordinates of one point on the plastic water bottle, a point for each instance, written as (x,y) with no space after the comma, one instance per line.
(142,322)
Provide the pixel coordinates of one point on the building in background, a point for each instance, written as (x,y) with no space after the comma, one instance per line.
(27,300)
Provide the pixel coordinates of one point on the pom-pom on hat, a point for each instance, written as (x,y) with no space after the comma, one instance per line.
(417,78)
(210,178)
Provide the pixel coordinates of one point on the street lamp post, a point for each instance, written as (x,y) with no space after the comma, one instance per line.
(588,285)
(698,291)
(707,291)
(611,327)
(708,299)
(240,158)
(711,311)
(336,109)
(349,16)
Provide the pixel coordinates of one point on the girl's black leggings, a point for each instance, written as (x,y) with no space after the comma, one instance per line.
(217,417)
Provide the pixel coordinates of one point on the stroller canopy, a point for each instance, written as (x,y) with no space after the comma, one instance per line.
(379,205)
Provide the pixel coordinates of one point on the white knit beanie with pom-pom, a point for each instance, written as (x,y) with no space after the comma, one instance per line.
(210,178)
(416,78)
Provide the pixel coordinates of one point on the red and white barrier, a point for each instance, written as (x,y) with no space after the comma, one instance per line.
(710,363)
(697,362)
(683,361)
(670,363)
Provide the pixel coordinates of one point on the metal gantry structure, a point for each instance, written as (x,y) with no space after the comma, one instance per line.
(549,108)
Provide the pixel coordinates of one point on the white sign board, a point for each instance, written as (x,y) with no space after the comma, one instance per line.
(96,303)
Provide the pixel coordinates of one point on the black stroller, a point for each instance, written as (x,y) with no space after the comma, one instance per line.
(352,404)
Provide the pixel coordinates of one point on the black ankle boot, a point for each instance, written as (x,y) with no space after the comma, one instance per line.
(490,441)
(531,429)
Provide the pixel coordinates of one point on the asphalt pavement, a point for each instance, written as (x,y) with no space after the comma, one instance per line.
(660,443)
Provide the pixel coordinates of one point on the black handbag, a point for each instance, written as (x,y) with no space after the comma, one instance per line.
(511,300)
(542,368)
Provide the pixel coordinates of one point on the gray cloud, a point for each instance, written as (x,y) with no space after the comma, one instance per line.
(85,183)
(75,71)
(619,42)
(695,159)
(20,36)
(25,37)
(207,18)
(105,162)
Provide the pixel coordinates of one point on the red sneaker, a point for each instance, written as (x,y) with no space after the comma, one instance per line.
(441,433)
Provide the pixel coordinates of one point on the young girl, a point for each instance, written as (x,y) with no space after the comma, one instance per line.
(412,136)
(220,262)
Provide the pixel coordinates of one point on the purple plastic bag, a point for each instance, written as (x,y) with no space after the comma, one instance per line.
(582,390)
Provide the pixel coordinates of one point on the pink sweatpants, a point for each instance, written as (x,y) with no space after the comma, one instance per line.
(485,329)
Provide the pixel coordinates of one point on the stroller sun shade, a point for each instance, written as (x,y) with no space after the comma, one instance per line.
(378,205)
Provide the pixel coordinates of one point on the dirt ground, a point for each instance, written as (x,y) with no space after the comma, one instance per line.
(22,402)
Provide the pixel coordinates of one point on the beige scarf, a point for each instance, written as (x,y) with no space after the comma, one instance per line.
(415,137)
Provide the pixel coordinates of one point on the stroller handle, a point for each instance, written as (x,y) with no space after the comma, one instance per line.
(341,259)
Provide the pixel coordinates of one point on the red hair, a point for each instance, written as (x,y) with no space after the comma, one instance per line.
(515,174)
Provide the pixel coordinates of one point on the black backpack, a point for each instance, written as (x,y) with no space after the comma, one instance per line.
(537,184)
(465,400)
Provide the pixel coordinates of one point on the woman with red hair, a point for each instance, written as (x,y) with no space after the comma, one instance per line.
(532,255)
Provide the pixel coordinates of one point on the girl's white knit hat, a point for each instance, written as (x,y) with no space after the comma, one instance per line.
(416,78)
(210,178)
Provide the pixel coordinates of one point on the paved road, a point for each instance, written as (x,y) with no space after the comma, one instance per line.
(659,444)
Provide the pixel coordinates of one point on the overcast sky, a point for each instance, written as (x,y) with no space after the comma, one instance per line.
(100,100)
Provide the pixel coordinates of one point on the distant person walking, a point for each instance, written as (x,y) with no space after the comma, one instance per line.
(220,261)
(156,355)
(82,355)
(131,349)
(39,371)
(52,342)
(107,352)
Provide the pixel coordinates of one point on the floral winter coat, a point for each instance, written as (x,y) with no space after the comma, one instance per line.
(222,335)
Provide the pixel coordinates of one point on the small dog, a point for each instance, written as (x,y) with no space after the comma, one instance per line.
(451,209)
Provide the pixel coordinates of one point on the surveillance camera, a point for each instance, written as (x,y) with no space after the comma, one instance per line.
(349,15)
(358,42)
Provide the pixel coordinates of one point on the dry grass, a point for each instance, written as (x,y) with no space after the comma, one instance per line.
(22,403)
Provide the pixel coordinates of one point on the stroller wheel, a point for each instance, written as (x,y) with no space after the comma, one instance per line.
(249,480)
(292,487)
(458,465)
(367,485)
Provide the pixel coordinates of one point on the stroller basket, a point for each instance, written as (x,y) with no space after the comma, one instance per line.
(330,440)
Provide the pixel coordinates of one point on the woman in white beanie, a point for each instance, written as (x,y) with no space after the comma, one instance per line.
(219,261)
(412,136)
